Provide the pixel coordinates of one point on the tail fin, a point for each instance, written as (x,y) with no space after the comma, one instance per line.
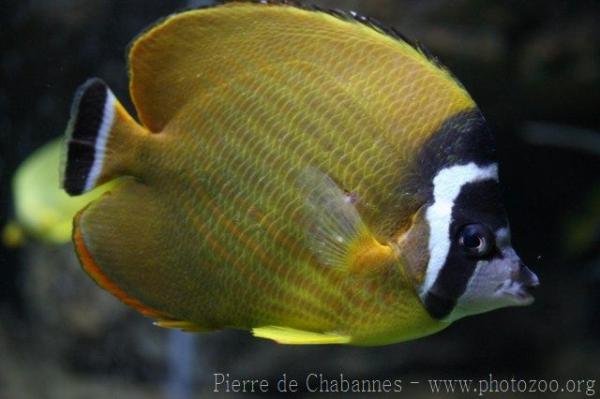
(98,139)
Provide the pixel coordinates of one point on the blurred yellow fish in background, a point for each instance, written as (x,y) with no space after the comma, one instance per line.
(307,175)
(42,209)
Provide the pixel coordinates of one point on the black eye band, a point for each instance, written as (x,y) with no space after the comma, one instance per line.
(470,243)
(438,306)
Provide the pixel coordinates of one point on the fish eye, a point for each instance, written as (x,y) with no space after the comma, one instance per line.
(475,240)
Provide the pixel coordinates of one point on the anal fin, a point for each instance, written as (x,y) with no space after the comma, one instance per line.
(181,325)
(90,266)
(121,241)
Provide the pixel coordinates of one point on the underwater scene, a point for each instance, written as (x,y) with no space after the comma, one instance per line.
(383,198)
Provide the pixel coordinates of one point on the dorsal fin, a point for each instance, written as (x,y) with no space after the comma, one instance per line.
(352,16)
(200,50)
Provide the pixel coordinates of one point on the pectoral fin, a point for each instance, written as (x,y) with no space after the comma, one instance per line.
(335,232)
(291,336)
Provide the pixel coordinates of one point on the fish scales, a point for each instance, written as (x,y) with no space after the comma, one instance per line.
(316,88)
(245,182)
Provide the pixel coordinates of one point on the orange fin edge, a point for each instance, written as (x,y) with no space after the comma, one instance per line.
(95,272)
(181,325)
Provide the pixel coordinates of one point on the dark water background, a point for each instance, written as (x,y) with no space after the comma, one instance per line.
(522,61)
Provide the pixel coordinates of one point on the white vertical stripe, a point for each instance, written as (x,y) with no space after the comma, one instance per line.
(447,185)
(100,147)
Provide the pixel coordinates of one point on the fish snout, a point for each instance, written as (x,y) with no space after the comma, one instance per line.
(521,284)
(526,277)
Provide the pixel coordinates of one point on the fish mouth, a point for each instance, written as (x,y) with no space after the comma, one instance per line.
(519,293)
(523,293)
(520,287)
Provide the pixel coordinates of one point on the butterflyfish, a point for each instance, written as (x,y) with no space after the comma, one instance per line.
(308,175)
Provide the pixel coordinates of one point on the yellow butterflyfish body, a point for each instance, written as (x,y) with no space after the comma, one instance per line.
(306,175)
